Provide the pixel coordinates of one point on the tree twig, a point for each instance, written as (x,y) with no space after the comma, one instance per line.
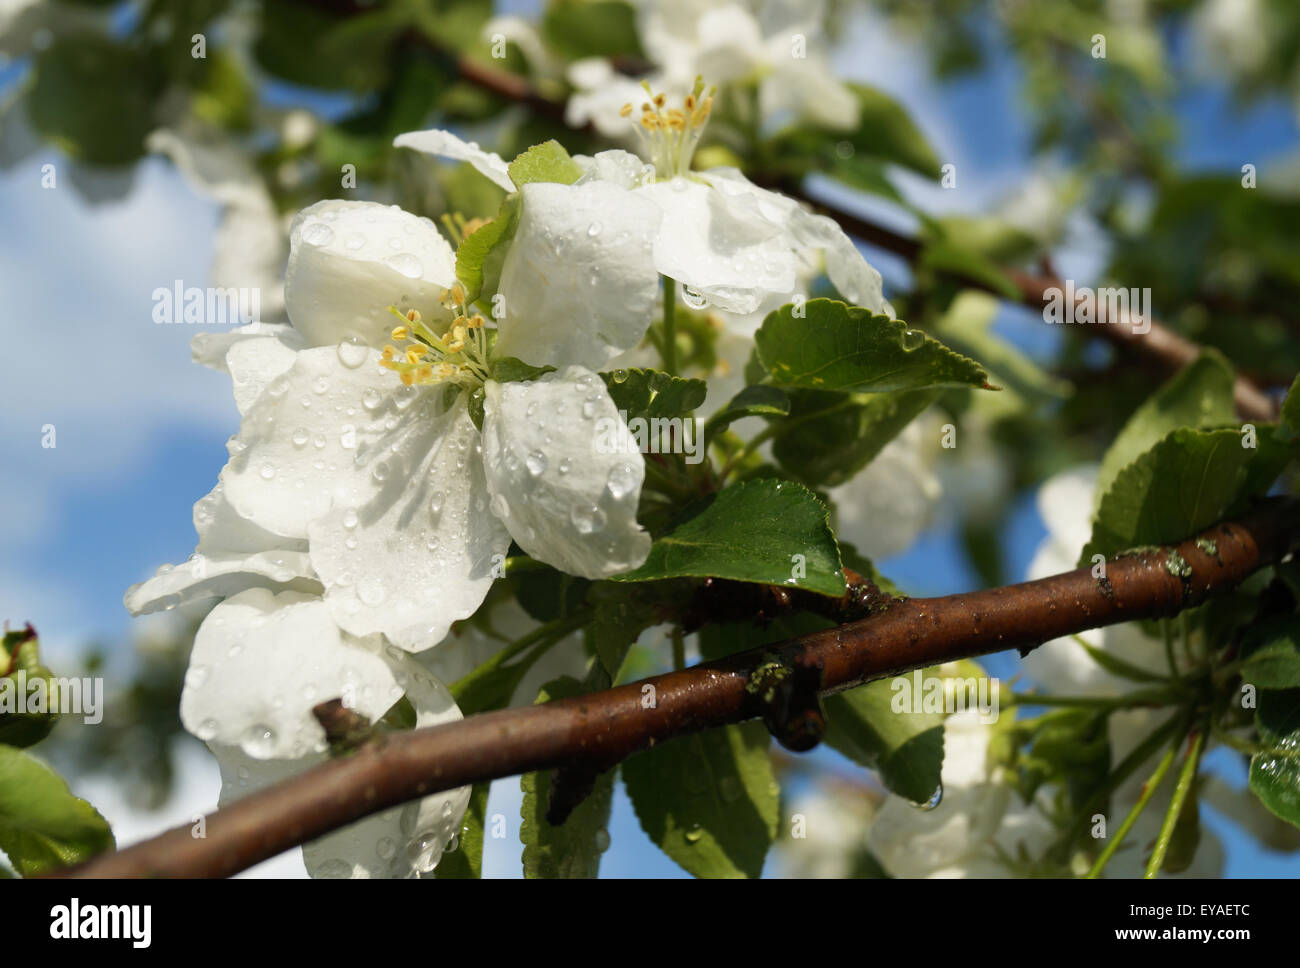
(604,728)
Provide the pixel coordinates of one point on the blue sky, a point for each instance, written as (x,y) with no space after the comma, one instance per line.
(141,430)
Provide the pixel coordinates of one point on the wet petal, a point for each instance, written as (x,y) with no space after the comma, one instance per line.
(579,280)
(349,261)
(564,473)
(724,251)
(444,144)
(261,661)
(414,549)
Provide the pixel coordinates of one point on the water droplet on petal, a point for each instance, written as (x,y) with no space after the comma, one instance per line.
(350,518)
(300,437)
(259,741)
(317,233)
(405,263)
(587,518)
(693,298)
(536,463)
(352,352)
(622,480)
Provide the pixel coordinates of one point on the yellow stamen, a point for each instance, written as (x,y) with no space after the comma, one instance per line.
(399,333)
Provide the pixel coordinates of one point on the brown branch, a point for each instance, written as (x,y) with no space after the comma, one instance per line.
(601,729)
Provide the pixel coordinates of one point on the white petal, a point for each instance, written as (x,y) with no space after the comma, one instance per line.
(855,278)
(444,144)
(350,261)
(317,438)
(579,280)
(564,472)
(254,364)
(412,552)
(261,661)
(806,90)
(396,843)
(221,575)
(210,349)
(617,167)
(726,251)
(233,554)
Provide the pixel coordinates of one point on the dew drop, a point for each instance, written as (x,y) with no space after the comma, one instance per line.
(259,741)
(350,518)
(693,298)
(935,799)
(622,480)
(536,463)
(317,233)
(267,472)
(913,339)
(405,263)
(371,399)
(352,352)
(300,437)
(587,518)
(371,592)
(593,229)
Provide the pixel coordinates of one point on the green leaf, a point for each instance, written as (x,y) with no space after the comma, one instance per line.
(509,369)
(1272,653)
(576,29)
(546,162)
(1182,485)
(94,98)
(482,253)
(492,684)
(1199,396)
(1275,777)
(750,532)
(466,861)
(653,393)
(753,401)
(868,726)
(622,613)
(841,347)
(573,849)
(830,436)
(709,800)
(42,825)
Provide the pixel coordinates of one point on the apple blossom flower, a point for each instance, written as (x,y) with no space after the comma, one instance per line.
(367,461)
(260,662)
(729,243)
